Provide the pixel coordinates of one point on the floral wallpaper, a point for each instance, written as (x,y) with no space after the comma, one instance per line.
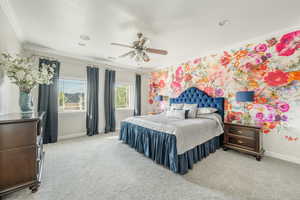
(270,68)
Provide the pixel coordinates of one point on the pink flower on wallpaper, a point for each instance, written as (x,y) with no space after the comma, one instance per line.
(259,116)
(179,74)
(258,61)
(284,118)
(270,108)
(209,91)
(175,84)
(288,44)
(269,55)
(162,84)
(219,92)
(261,48)
(197,61)
(270,117)
(283,107)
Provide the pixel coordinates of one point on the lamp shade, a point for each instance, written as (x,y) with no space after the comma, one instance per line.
(245,96)
(158,98)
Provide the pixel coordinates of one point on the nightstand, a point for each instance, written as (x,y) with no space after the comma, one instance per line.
(243,138)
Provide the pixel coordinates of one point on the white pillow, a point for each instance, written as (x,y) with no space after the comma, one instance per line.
(176,106)
(192,108)
(180,114)
(206,110)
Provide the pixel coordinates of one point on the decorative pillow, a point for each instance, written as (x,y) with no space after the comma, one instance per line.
(180,114)
(176,106)
(206,110)
(192,108)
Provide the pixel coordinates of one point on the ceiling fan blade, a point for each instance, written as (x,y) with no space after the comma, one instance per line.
(122,45)
(157,51)
(126,54)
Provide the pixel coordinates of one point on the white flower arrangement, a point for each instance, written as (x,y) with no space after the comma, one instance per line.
(22,72)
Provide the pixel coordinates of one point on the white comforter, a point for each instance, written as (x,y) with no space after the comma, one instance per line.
(189,132)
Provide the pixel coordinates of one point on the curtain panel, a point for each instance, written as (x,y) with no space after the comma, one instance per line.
(137,102)
(48,103)
(92,111)
(109,101)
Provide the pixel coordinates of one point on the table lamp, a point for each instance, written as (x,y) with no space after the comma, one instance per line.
(243,97)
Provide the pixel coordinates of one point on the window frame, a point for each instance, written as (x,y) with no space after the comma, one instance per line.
(131,89)
(62,111)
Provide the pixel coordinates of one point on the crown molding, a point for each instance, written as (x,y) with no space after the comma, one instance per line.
(237,45)
(38,50)
(12,19)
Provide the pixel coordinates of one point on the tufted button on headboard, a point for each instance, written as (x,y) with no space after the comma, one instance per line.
(195,96)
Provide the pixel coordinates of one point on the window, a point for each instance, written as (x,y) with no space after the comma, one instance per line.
(123,96)
(72,95)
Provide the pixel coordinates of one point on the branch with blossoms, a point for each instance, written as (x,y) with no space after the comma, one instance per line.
(22,72)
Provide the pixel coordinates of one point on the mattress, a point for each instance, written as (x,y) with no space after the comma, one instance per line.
(189,132)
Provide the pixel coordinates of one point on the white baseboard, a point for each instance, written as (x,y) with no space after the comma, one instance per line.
(282,157)
(69,136)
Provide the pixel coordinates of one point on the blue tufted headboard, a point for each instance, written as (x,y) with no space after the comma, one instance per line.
(195,96)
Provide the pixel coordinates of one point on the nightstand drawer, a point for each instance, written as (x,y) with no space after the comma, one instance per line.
(241,141)
(248,132)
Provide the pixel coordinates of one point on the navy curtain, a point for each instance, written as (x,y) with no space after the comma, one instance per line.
(48,103)
(109,101)
(92,111)
(137,102)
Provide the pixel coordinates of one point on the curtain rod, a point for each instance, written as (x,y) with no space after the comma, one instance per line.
(46,57)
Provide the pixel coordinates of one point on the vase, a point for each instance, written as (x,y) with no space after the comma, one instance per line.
(25,102)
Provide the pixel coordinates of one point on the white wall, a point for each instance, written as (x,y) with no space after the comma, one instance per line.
(73,123)
(127,78)
(8,43)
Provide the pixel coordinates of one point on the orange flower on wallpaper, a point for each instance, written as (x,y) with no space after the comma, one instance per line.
(227,105)
(187,77)
(260,100)
(249,106)
(203,80)
(240,54)
(253,84)
(294,76)
(225,60)
(236,64)
(186,67)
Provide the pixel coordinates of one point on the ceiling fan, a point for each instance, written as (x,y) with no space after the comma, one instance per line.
(140,49)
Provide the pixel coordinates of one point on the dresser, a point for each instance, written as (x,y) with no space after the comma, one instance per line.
(243,138)
(21,152)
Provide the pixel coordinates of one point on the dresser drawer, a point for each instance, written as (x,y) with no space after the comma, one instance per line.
(242,142)
(17,166)
(242,131)
(16,135)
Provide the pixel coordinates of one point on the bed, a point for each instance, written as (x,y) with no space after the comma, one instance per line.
(177,144)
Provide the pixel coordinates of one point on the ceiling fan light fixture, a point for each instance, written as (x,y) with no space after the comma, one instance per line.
(140,49)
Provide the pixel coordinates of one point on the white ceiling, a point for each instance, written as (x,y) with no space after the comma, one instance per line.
(186,28)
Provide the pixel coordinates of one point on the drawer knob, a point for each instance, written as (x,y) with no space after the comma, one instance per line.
(240,142)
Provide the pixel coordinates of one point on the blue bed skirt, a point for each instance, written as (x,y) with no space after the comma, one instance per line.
(161,147)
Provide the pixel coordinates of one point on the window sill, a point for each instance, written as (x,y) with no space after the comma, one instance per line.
(71,112)
(125,109)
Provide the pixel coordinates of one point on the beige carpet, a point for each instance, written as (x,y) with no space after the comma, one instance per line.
(101,167)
